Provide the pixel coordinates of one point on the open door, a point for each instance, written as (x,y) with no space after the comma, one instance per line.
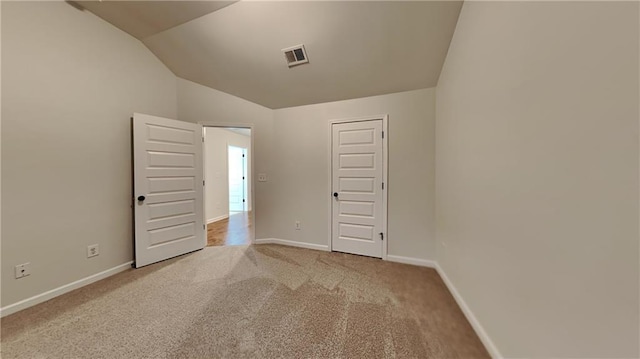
(168,186)
(237,179)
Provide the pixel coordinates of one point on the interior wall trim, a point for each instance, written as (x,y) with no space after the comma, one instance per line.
(413,261)
(43,297)
(475,323)
(285,242)
(219,218)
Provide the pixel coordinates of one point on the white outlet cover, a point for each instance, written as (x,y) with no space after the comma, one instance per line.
(93,250)
(27,269)
(23,270)
(262,177)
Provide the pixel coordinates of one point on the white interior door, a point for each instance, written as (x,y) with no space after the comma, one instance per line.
(168,183)
(357,175)
(237,186)
(245,178)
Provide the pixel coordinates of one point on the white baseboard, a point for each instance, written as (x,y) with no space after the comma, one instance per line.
(318,247)
(482,334)
(219,218)
(412,261)
(43,297)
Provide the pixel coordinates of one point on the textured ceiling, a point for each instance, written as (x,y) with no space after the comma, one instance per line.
(145,18)
(355,48)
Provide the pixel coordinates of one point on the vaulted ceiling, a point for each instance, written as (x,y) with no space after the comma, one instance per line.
(355,48)
(145,18)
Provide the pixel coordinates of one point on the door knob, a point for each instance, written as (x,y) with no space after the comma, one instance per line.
(141,198)
(335,194)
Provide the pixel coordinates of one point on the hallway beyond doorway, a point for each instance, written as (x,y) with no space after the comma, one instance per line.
(232,231)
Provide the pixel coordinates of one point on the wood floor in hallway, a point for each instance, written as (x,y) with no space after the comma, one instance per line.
(232,231)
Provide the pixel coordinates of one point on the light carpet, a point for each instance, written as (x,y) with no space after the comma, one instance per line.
(260,301)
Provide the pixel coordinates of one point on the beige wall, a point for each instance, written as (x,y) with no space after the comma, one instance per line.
(216,168)
(291,147)
(537,175)
(197,103)
(70,84)
(300,177)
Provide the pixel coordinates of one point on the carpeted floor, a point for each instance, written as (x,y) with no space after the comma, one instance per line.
(261,301)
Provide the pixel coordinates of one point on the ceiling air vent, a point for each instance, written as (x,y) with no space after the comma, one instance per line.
(295,55)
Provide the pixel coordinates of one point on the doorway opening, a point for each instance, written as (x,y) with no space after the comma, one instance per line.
(228,185)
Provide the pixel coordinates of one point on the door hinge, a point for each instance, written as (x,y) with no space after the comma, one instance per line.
(381,236)
(202,138)
(203,183)
(382,185)
(243,200)
(204,226)
(382,134)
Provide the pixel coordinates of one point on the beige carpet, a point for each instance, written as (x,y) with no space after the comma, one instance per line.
(263,301)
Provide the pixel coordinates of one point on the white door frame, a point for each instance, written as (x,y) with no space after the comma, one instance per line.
(250,126)
(385,164)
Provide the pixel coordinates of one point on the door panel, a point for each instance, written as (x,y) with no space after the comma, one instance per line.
(165,159)
(168,173)
(171,184)
(163,235)
(357,173)
(357,137)
(356,231)
(169,135)
(351,184)
(357,209)
(170,209)
(362,160)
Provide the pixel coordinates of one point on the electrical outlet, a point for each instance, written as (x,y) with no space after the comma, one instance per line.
(262,177)
(93,250)
(23,270)
(298,225)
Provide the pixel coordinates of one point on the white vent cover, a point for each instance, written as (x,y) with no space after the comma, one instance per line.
(295,55)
